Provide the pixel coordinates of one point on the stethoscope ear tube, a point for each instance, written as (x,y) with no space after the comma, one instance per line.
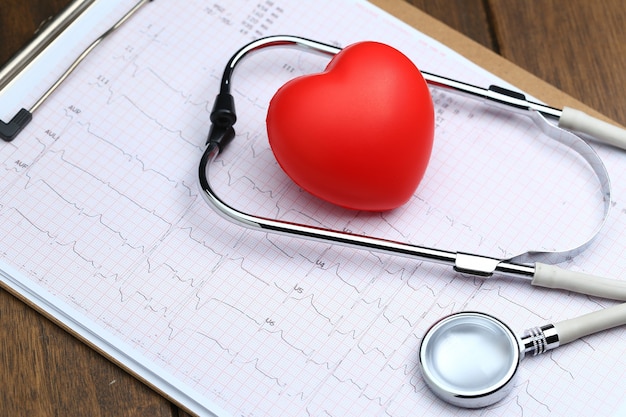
(520,265)
(588,324)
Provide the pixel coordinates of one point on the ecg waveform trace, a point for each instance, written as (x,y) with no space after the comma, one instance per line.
(100,206)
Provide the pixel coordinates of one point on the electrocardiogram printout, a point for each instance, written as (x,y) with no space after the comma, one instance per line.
(102,223)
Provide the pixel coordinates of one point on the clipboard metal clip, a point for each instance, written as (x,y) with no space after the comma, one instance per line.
(10,130)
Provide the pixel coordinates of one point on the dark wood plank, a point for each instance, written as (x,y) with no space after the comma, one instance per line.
(577,45)
(47,372)
(466,16)
(20,19)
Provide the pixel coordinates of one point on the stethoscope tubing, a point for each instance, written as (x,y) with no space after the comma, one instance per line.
(533,265)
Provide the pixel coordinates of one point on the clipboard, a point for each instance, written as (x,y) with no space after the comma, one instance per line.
(431,27)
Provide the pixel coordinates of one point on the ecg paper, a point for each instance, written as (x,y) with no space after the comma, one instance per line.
(103,227)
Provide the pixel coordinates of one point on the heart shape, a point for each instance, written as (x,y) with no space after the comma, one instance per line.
(360,133)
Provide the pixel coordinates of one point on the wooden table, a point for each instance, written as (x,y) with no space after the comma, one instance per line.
(578,46)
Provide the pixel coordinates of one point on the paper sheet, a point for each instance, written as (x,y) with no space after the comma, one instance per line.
(103,226)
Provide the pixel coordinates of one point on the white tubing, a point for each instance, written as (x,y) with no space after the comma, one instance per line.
(573,329)
(579,121)
(551,276)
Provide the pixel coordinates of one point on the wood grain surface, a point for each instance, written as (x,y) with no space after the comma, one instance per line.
(577,45)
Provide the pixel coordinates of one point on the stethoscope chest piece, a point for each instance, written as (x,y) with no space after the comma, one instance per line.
(469,359)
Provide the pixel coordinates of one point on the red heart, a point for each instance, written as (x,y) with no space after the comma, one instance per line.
(358,134)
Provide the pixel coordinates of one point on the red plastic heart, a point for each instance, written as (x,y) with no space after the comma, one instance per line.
(359,134)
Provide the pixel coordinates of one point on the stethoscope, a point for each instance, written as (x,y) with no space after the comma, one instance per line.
(468,359)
